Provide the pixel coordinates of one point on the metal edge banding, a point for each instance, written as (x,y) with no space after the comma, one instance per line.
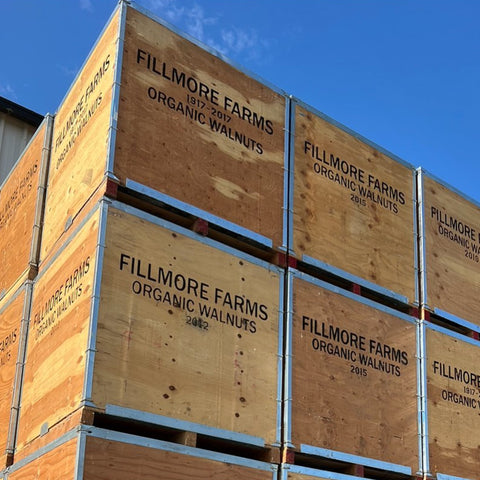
(425,462)
(354,134)
(291,184)
(278,439)
(173,447)
(353,278)
(117,82)
(286,176)
(457,320)
(420,397)
(43,450)
(287,420)
(170,422)
(80,70)
(19,369)
(415,237)
(69,239)
(422,240)
(347,457)
(313,472)
(41,191)
(94,307)
(443,476)
(80,456)
(194,236)
(198,212)
(453,334)
(450,187)
(207,48)
(353,296)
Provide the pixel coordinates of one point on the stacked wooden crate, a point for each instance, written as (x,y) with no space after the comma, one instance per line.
(450,276)
(22,196)
(141,328)
(228,284)
(351,384)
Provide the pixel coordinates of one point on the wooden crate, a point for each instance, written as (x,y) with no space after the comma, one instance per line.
(175,123)
(93,453)
(450,254)
(14,317)
(140,319)
(351,381)
(22,197)
(452,403)
(353,206)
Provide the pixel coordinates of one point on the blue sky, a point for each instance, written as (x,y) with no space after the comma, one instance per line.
(403,73)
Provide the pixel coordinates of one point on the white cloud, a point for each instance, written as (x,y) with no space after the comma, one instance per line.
(194,20)
(67,71)
(86,5)
(7,91)
(167,9)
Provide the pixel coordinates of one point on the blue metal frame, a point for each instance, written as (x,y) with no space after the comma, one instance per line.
(117,81)
(41,191)
(346,457)
(280,367)
(288,176)
(183,425)
(95,305)
(353,278)
(313,472)
(421,240)
(422,403)
(441,476)
(198,212)
(20,365)
(83,432)
(287,421)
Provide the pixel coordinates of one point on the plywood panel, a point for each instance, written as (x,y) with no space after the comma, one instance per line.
(353,377)
(55,366)
(56,464)
(195,128)
(452,251)
(11,315)
(109,460)
(453,399)
(186,330)
(353,206)
(80,139)
(18,202)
